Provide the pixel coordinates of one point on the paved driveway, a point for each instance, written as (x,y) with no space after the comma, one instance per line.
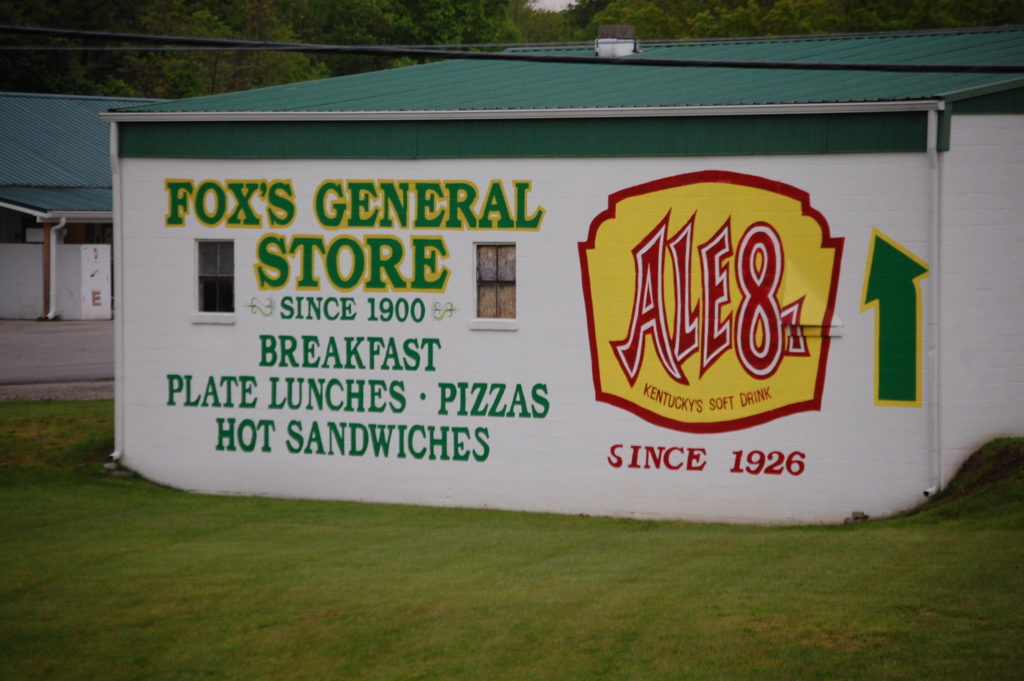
(48,359)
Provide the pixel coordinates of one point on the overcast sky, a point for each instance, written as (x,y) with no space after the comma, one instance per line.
(552,5)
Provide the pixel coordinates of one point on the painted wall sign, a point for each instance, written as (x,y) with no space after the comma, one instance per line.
(636,337)
(322,393)
(892,286)
(709,299)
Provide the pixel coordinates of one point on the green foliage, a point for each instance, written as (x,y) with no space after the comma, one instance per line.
(60,71)
(539,26)
(645,15)
(355,22)
(667,19)
(189,74)
(582,12)
(148,73)
(800,17)
(402,22)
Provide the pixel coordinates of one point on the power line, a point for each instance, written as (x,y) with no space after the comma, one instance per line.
(435,53)
(236,44)
(259,48)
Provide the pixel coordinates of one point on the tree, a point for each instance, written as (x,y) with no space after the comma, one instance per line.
(581,15)
(649,19)
(189,74)
(537,25)
(801,17)
(151,73)
(733,18)
(50,70)
(174,74)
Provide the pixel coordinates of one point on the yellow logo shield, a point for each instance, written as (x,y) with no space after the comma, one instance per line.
(710,300)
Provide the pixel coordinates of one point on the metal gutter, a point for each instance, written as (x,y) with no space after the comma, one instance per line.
(57,215)
(83,215)
(39,215)
(503,114)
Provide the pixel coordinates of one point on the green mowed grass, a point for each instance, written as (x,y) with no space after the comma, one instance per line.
(117,578)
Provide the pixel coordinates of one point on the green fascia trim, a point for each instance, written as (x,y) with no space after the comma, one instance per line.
(945,127)
(519,138)
(1005,102)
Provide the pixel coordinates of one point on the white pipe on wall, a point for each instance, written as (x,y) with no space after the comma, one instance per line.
(117,309)
(53,266)
(934,306)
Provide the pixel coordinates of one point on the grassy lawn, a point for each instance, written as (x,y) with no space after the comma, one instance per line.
(110,578)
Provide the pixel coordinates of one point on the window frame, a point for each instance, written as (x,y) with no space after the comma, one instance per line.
(199,315)
(494,323)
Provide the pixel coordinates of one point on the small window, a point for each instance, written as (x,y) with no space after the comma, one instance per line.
(216,276)
(495,281)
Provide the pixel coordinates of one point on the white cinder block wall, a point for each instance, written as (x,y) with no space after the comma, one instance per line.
(982,318)
(859,456)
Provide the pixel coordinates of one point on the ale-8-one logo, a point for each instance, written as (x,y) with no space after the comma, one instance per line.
(709,300)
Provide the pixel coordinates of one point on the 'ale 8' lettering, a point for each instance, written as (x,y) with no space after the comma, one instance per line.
(705,319)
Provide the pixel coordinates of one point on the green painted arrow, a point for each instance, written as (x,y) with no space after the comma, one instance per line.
(892,286)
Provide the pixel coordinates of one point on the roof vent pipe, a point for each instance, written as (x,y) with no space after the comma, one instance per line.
(616,41)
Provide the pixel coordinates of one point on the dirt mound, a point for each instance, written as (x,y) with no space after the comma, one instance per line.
(994,474)
(984,468)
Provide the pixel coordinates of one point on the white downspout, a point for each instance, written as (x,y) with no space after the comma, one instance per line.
(934,302)
(118,307)
(53,266)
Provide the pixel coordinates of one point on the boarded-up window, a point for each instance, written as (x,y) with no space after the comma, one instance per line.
(495,281)
(216,276)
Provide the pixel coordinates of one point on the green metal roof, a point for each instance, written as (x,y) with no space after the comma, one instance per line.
(55,151)
(64,199)
(473,85)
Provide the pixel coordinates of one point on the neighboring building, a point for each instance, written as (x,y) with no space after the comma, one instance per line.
(739,294)
(55,205)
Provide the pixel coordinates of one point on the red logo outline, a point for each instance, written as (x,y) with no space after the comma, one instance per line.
(719,177)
